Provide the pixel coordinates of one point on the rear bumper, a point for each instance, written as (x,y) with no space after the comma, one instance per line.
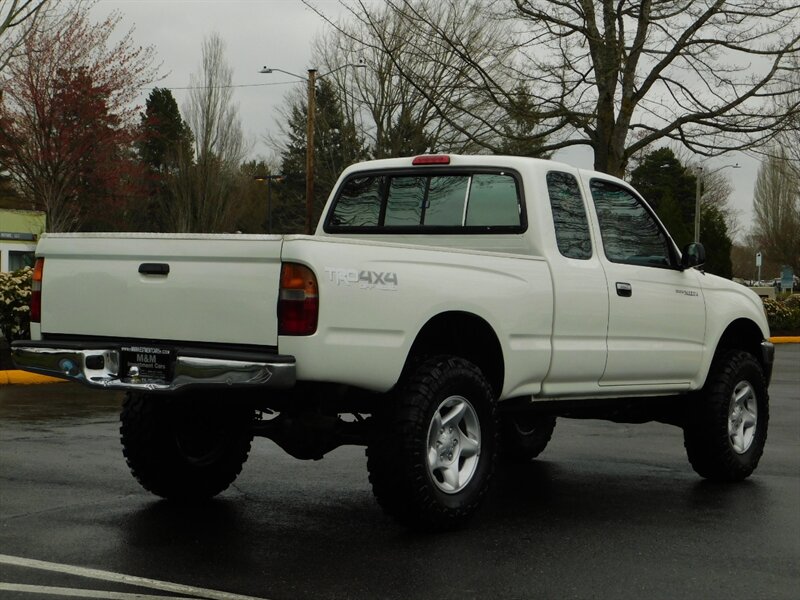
(98,365)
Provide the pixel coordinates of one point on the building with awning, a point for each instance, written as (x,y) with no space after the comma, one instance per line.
(19,232)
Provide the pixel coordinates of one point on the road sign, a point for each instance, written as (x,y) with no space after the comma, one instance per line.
(787,279)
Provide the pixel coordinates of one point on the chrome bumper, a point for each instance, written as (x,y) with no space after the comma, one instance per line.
(98,366)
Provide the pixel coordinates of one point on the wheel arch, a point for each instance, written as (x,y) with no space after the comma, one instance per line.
(741,334)
(465,335)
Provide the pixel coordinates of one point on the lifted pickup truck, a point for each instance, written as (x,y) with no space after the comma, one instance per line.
(446,311)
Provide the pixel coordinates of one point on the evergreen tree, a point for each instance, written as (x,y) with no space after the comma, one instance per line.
(337,144)
(670,190)
(164,137)
(715,239)
(164,134)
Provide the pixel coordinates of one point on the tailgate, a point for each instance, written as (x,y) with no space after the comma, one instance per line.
(190,288)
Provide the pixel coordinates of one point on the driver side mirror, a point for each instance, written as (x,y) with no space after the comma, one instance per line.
(694,255)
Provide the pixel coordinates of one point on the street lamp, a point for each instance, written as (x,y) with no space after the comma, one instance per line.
(699,194)
(311,82)
(269,179)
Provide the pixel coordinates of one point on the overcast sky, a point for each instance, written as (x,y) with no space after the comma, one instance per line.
(279,34)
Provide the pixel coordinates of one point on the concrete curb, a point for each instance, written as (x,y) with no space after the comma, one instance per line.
(787,339)
(25,378)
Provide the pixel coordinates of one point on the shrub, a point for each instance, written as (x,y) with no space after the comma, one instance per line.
(783,315)
(793,302)
(15,293)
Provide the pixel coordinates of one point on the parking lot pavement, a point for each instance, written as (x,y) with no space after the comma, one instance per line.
(609,511)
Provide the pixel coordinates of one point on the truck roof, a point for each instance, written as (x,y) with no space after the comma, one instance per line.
(471,160)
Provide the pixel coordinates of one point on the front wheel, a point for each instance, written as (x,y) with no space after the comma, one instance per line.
(433,452)
(727,431)
(190,447)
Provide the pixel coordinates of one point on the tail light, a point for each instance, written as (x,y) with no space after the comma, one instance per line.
(298,302)
(36,291)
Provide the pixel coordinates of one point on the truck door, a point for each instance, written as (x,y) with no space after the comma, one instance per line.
(580,319)
(657,313)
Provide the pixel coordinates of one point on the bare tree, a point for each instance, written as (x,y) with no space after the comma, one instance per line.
(789,139)
(17,18)
(716,193)
(702,73)
(776,204)
(204,190)
(418,92)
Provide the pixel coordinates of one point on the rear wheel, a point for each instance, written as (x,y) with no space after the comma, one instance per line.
(187,448)
(727,431)
(524,437)
(433,453)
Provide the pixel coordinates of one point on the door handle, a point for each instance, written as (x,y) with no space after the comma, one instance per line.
(624,289)
(154,269)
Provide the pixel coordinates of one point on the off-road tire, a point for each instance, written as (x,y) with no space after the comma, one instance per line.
(524,437)
(185,448)
(712,431)
(407,479)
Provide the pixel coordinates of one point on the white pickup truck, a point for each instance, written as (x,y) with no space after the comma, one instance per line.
(446,311)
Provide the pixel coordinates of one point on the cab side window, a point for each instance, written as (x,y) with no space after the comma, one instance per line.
(631,234)
(569,216)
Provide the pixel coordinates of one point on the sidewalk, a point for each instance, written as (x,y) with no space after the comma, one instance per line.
(12,377)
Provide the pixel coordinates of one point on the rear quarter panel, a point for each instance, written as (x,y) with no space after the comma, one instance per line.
(375,298)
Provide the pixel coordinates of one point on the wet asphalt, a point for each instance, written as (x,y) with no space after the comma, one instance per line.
(608,511)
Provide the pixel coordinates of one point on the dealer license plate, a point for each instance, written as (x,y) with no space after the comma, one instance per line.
(151,364)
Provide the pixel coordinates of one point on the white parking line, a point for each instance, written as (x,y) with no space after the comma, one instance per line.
(79,593)
(153,584)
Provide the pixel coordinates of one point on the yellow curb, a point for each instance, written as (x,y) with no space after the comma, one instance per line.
(785,339)
(25,378)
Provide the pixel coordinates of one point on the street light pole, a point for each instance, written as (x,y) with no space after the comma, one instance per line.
(269,179)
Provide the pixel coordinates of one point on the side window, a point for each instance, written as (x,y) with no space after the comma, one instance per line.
(630,233)
(569,216)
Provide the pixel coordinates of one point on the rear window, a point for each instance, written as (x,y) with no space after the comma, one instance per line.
(441,202)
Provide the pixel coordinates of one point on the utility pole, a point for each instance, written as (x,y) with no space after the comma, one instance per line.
(311,80)
(312,109)
(698,195)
